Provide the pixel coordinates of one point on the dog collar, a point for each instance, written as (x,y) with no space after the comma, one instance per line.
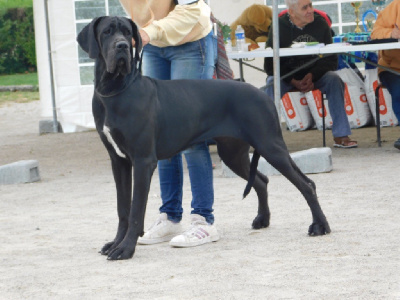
(130,81)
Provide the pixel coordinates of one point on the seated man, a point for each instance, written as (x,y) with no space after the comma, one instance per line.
(300,24)
(386,26)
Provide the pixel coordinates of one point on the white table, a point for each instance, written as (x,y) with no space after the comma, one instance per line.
(338,48)
(329,49)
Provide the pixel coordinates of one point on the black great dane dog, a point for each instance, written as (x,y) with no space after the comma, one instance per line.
(141,120)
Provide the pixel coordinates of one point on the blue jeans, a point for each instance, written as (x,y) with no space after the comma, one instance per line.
(392,83)
(194,60)
(333,87)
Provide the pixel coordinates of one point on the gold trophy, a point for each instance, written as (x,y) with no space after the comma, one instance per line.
(356,6)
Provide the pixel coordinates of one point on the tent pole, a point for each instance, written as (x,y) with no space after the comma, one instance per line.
(53,101)
(276,60)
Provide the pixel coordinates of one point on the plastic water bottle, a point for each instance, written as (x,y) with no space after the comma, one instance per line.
(240,43)
(228,45)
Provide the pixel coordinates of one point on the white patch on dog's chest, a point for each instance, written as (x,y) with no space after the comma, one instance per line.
(107,133)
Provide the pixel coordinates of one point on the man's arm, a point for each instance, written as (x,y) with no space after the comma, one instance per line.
(325,64)
(385,25)
(269,62)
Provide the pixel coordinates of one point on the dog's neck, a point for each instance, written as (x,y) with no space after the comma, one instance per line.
(109,84)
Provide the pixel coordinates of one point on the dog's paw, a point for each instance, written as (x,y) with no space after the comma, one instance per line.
(106,248)
(261,221)
(316,229)
(121,252)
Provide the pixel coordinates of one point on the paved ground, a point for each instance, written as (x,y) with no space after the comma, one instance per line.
(52,230)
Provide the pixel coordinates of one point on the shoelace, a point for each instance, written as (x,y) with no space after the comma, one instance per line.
(196,231)
(158,221)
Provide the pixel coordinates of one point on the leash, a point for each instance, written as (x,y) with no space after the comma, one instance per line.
(131,78)
(309,63)
(139,64)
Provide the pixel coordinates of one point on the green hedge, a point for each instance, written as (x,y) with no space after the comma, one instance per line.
(17,46)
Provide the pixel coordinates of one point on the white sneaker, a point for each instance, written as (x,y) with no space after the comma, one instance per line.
(199,233)
(163,230)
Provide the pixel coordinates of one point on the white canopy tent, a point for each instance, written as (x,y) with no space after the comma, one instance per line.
(66,74)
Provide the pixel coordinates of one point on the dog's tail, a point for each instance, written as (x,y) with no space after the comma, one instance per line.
(253,172)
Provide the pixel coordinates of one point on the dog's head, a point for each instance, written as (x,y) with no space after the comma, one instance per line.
(110,39)
(255,20)
(259,16)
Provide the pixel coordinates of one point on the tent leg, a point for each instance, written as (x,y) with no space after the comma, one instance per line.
(53,101)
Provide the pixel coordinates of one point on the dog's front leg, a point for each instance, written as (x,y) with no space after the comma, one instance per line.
(143,171)
(122,171)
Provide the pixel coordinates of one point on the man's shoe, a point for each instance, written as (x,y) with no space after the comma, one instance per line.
(163,230)
(397,144)
(199,233)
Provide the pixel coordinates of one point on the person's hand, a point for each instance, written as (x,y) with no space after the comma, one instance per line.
(144,36)
(305,85)
(307,79)
(296,83)
(395,33)
(307,88)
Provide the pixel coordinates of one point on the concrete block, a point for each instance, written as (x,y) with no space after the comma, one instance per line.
(314,160)
(47,126)
(14,88)
(23,171)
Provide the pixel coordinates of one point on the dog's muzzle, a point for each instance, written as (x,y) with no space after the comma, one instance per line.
(119,59)
(122,46)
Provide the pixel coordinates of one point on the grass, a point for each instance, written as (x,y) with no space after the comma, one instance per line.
(4,4)
(19,79)
(19,97)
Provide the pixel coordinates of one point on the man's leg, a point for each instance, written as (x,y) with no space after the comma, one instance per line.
(269,90)
(333,87)
(392,83)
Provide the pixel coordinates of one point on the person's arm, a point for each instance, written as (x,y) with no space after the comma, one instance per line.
(325,64)
(385,25)
(173,28)
(269,62)
(139,11)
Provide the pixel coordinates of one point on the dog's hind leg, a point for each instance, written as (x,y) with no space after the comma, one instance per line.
(303,175)
(279,158)
(235,154)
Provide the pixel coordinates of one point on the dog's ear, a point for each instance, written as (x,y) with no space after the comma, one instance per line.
(256,14)
(138,40)
(87,39)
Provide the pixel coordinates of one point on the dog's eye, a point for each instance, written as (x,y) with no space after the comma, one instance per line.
(126,32)
(107,31)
